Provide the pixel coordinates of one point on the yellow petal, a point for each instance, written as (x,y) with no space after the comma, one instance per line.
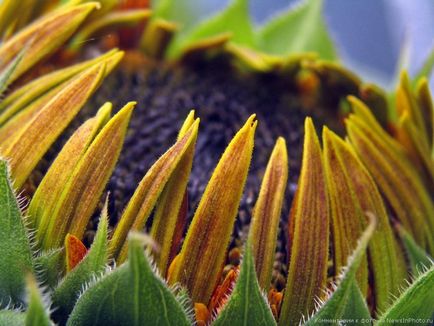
(46,84)
(36,137)
(425,101)
(83,190)
(407,103)
(266,214)
(352,193)
(309,235)
(44,201)
(169,204)
(44,36)
(396,177)
(203,252)
(347,217)
(8,9)
(144,198)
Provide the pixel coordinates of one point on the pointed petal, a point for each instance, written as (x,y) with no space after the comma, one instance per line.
(347,217)
(40,88)
(347,301)
(169,204)
(44,36)
(111,21)
(266,214)
(203,252)
(35,138)
(309,231)
(81,193)
(394,174)
(352,193)
(47,195)
(144,198)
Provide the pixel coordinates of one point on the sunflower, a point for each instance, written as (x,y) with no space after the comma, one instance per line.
(239,180)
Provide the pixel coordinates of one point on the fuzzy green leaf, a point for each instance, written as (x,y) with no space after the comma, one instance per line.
(15,251)
(50,266)
(12,318)
(298,30)
(182,12)
(347,300)
(415,254)
(415,303)
(247,305)
(356,307)
(93,263)
(37,312)
(131,295)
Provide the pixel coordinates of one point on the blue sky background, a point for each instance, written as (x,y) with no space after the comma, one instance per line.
(370,33)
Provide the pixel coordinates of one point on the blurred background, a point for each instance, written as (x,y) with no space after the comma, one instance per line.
(374,37)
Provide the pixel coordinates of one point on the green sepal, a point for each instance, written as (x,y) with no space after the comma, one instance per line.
(247,304)
(181,12)
(355,306)
(298,30)
(49,265)
(15,248)
(130,295)
(234,19)
(347,300)
(417,257)
(37,313)
(94,263)
(415,303)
